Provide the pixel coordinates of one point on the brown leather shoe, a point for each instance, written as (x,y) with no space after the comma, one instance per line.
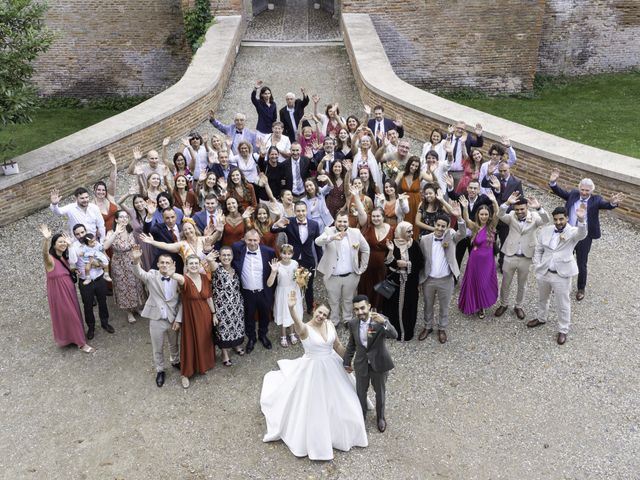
(500,310)
(519,313)
(425,333)
(382,425)
(442,336)
(562,337)
(534,323)
(579,295)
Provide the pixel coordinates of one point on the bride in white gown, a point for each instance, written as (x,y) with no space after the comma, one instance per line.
(311,402)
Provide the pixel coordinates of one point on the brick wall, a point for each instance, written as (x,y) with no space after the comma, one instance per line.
(27,192)
(227,7)
(444,44)
(532,168)
(125,47)
(589,37)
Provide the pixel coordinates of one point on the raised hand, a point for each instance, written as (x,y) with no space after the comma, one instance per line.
(339,235)
(248,212)
(120,228)
(55,196)
(146,238)
(185,142)
(478,129)
(355,191)
(448,147)
(274,264)
(112,159)
(491,196)
(581,212)
(213,256)
(315,98)
(495,183)
(133,189)
(67,238)
(376,317)
(505,141)
(302,91)
(398,121)
(259,83)
(205,139)
(187,209)
(533,203)
(617,198)
(455,208)
(212,157)
(462,200)
(137,153)
(171,269)
(46,232)
(367,109)
(440,195)
(166,141)
(513,198)
(136,253)
(450,130)
(203,176)
(222,182)
(449,181)
(554,175)
(347,164)
(151,206)
(308,152)
(212,115)
(322,178)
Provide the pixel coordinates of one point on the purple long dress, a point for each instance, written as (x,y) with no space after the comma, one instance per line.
(480,283)
(66,319)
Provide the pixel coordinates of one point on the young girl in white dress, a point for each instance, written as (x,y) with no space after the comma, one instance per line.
(284,269)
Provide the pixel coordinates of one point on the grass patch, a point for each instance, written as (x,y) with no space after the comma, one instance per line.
(597,110)
(59,117)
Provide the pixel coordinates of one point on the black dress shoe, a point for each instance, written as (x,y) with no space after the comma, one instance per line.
(562,338)
(160,379)
(265,342)
(425,333)
(382,425)
(176,365)
(108,328)
(90,334)
(250,345)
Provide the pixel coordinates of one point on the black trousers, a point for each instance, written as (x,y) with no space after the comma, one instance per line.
(308,293)
(583,247)
(461,249)
(97,289)
(502,229)
(256,302)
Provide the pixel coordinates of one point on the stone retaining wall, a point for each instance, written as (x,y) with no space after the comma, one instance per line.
(538,152)
(81,158)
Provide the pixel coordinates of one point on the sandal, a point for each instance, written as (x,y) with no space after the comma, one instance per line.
(283,341)
(293,339)
(239,351)
(481,313)
(86,348)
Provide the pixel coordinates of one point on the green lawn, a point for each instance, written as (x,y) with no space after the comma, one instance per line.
(598,110)
(58,118)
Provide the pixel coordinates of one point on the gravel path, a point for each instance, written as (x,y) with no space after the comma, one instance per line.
(498,401)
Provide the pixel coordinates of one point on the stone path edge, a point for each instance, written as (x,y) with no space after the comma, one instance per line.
(82,155)
(421,111)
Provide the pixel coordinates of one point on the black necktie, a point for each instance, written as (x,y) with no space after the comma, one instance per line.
(165,279)
(455,148)
(251,253)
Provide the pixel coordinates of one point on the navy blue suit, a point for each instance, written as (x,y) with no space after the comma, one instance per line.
(303,253)
(298,113)
(260,300)
(583,247)
(464,244)
(202,219)
(388,125)
(161,233)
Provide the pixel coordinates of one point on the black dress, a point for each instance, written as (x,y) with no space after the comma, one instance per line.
(402,307)
(229,308)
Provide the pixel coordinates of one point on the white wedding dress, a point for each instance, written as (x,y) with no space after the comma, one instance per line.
(311,402)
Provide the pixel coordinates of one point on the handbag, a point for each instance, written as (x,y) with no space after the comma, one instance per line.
(386,288)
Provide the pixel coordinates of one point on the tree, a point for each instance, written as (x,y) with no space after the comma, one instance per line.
(23,36)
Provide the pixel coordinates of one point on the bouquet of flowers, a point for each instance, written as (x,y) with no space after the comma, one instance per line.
(301,276)
(391,169)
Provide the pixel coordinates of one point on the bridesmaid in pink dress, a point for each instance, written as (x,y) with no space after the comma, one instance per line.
(66,319)
(479,289)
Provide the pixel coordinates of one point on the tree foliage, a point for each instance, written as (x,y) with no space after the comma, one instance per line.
(196,22)
(23,36)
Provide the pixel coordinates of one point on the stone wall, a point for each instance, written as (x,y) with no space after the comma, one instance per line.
(538,152)
(82,156)
(227,7)
(124,47)
(589,37)
(444,45)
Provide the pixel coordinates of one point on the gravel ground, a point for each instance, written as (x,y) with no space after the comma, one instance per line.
(498,401)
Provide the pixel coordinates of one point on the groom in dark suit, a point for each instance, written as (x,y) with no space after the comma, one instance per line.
(251,263)
(368,331)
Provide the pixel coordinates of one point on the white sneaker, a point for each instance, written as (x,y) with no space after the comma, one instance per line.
(185,382)
(131,318)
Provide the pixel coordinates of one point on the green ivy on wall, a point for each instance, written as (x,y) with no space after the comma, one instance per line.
(196,22)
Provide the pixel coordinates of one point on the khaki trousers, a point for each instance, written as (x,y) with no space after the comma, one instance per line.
(158,329)
(510,267)
(561,287)
(341,291)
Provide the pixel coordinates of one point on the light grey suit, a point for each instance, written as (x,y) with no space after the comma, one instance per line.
(161,314)
(372,362)
(342,289)
(558,279)
(518,249)
(440,287)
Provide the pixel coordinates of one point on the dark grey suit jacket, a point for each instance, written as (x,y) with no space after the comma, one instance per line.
(375,354)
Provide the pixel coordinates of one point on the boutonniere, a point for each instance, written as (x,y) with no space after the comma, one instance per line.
(355,246)
(371,330)
(445,244)
(529,219)
(562,237)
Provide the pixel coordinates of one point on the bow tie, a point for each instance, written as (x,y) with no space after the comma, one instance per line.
(165,279)
(438,239)
(558,231)
(302,223)
(251,253)
(238,132)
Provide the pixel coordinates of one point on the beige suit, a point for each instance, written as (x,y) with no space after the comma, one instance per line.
(440,287)
(342,288)
(518,249)
(161,314)
(558,279)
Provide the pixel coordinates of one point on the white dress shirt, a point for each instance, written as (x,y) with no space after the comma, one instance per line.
(91,217)
(303,231)
(298,184)
(573,217)
(252,271)
(343,262)
(439,265)
(169,290)
(364,329)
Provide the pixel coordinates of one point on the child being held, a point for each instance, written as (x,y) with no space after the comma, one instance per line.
(93,256)
(284,269)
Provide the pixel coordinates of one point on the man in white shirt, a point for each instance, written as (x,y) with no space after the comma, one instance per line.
(439,273)
(554,265)
(81,211)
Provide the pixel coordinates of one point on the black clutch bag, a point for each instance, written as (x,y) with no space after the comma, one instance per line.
(386,288)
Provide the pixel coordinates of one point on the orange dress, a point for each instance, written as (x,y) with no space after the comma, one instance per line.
(413,191)
(109,218)
(269,239)
(376,269)
(197,354)
(249,200)
(232,234)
